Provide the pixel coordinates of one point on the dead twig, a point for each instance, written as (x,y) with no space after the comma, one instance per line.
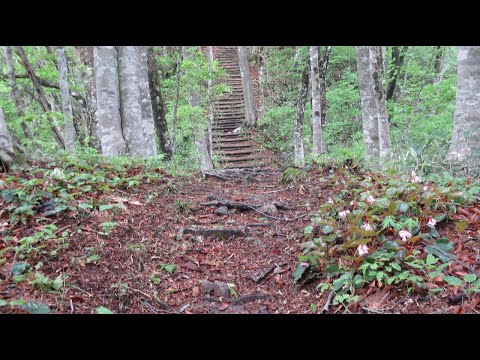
(326,307)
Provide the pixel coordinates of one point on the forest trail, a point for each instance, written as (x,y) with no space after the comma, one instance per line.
(232,140)
(192,245)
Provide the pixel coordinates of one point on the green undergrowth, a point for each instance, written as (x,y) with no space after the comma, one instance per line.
(386,230)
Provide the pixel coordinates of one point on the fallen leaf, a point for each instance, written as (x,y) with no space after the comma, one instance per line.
(223,306)
(135,202)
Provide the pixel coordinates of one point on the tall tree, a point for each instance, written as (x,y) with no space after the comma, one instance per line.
(398,56)
(108,101)
(323,85)
(464,149)
(261,82)
(316,101)
(135,102)
(298,129)
(158,106)
(200,139)
(85,54)
(68,129)
(250,114)
(42,98)
(374,113)
(7,152)
(177,97)
(17,97)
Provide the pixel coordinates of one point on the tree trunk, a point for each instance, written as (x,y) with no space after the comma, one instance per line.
(200,139)
(17,97)
(323,86)
(250,115)
(42,98)
(108,101)
(68,130)
(398,56)
(177,98)
(135,101)
(6,145)
(261,81)
(158,106)
(316,101)
(88,77)
(298,130)
(381,108)
(368,106)
(465,145)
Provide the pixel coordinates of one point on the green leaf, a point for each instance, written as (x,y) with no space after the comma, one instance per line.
(327,229)
(431,259)
(470,278)
(403,207)
(440,217)
(382,203)
(396,266)
(19,267)
(85,206)
(308,231)
(17,302)
(170,268)
(3,302)
(103,310)
(105,207)
(453,280)
(35,307)
(297,275)
(58,282)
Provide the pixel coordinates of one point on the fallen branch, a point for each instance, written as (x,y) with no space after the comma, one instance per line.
(326,307)
(247,298)
(262,274)
(218,233)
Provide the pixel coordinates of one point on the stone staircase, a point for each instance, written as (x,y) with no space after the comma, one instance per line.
(232,140)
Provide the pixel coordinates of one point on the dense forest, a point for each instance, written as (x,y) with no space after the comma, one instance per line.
(249,179)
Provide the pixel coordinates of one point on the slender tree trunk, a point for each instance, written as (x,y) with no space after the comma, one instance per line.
(465,146)
(381,108)
(210,100)
(261,81)
(250,115)
(368,107)
(42,98)
(298,130)
(17,97)
(323,86)
(201,144)
(158,105)
(316,101)
(108,101)
(177,97)
(398,56)
(88,77)
(135,101)
(7,152)
(68,130)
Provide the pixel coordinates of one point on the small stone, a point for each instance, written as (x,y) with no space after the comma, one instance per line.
(268,209)
(222,210)
(249,240)
(232,211)
(258,243)
(218,288)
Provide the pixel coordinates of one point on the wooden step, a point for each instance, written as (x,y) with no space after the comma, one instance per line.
(233,146)
(240,159)
(239,153)
(229,138)
(243,165)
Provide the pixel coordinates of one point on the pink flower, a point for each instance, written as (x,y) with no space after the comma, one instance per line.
(370,199)
(362,250)
(330,200)
(404,234)
(425,188)
(367,226)
(343,214)
(432,222)
(414,178)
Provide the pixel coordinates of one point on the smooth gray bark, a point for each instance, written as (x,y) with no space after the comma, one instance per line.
(68,129)
(464,149)
(177,98)
(108,101)
(316,101)
(250,113)
(158,106)
(135,102)
(261,81)
(7,152)
(299,159)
